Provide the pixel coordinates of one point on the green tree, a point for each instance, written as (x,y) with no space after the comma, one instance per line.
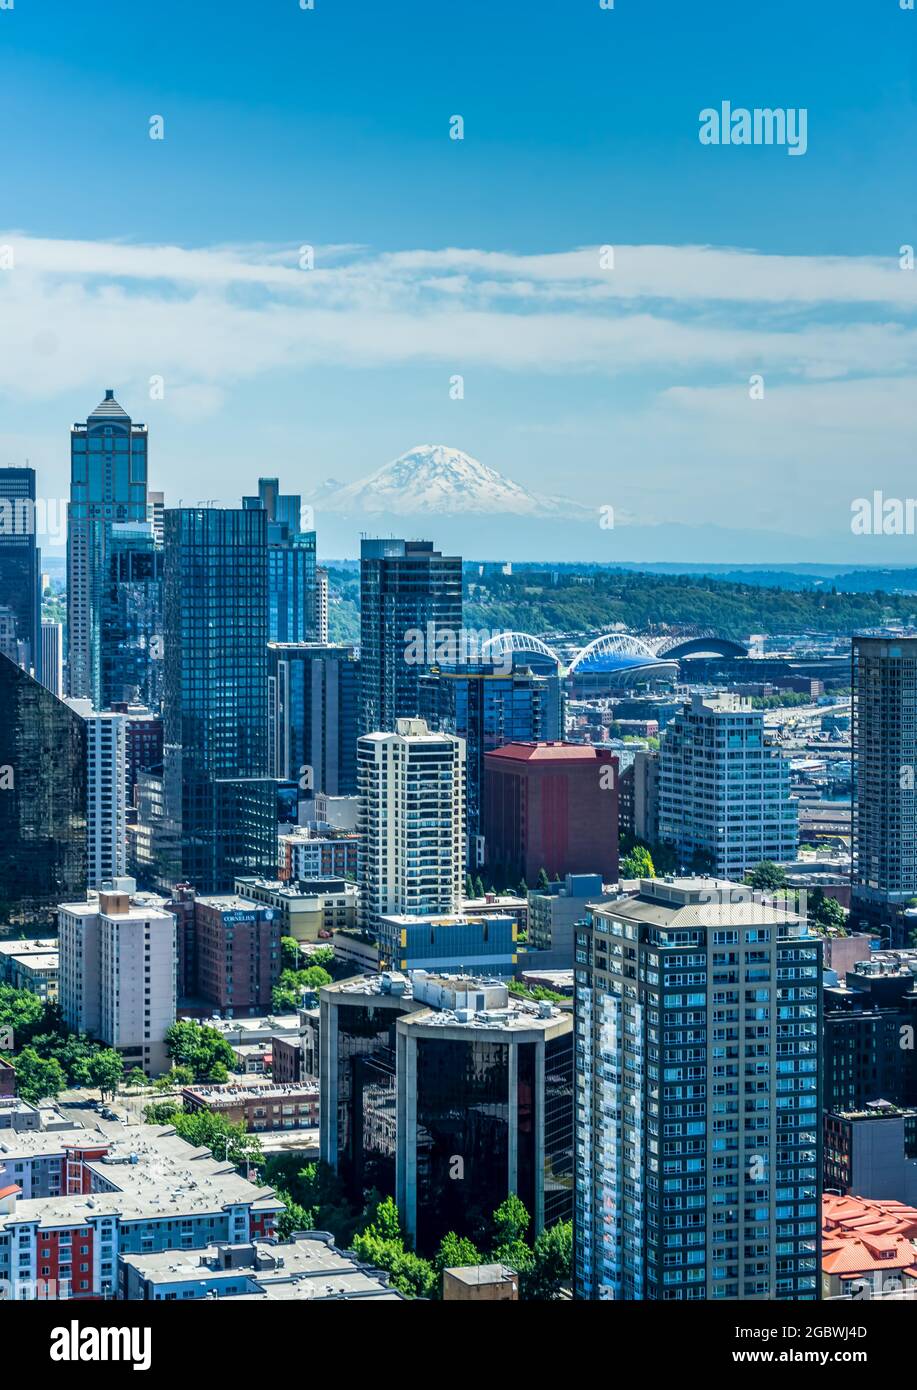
(455,1251)
(542,881)
(208,1130)
(637,864)
(766,877)
(510,1220)
(382,1244)
(292,1218)
(469,886)
(106,1070)
(20,1010)
(200,1047)
(161,1112)
(522,889)
(135,1078)
(831,914)
(290,957)
(38,1077)
(323,956)
(479,887)
(551,1265)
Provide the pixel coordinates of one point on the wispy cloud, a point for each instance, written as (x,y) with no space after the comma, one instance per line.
(205,318)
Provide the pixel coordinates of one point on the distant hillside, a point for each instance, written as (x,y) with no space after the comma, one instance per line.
(583,601)
(646,602)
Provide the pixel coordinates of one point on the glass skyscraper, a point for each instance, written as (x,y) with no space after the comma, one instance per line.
(408,591)
(219,814)
(130,661)
(108,486)
(292,590)
(488,709)
(20,565)
(313,707)
(42,800)
(884,747)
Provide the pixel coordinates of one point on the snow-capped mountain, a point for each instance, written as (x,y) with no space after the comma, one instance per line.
(434,480)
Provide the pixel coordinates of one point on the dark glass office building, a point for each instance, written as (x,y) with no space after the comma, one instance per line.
(131,619)
(409,595)
(292,591)
(42,801)
(488,708)
(20,566)
(219,813)
(884,750)
(460,1092)
(868,1018)
(313,709)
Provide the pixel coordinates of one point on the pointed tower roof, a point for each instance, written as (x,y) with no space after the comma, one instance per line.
(109,409)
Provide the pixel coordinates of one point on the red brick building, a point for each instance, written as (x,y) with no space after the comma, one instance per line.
(238,954)
(551,806)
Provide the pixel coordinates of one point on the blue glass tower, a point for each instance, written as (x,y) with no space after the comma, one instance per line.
(292,593)
(108,485)
(488,708)
(219,815)
(20,570)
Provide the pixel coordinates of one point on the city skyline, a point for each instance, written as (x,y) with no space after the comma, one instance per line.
(433,258)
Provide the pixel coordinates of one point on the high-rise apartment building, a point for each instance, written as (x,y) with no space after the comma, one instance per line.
(218,805)
(321,604)
(106,793)
(698,1171)
(884,752)
(292,593)
(42,800)
(313,709)
(450,1092)
(410,602)
(52,657)
(20,570)
(411,822)
(108,486)
(551,806)
(488,707)
(117,972)
(724,788)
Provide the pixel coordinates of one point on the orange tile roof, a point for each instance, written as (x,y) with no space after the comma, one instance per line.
(860,1235)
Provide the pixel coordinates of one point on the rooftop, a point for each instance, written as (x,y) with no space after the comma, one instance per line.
(700,902)
(309,1266)
(153,1172)
(549,752)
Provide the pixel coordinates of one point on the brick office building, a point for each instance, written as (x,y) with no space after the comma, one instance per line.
(551,806)
(238,954)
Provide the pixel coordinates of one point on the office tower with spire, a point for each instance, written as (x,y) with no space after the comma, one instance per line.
(108,487)
(410,599)
(20,570)
(218,817)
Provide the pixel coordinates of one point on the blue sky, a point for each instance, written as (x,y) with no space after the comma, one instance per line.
(329,127)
